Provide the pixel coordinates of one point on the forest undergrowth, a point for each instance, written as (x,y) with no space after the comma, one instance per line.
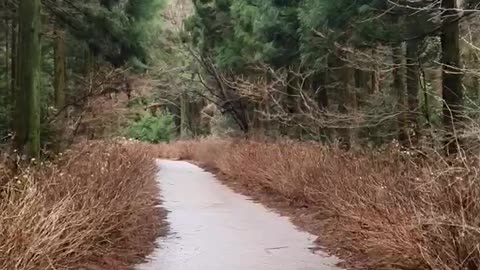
(94,208)
(376,210)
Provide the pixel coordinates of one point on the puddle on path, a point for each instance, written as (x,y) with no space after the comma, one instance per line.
(214,228)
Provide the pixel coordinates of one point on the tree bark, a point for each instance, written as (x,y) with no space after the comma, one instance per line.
(426,98)
(89,64)
(13,57)
(413,84)
(362,78)
(27,106)
(319,88)
(291,104)
(348,102)
(184,102)
(60,70)
(452,77)
(374,76)
(7,50)
(399,88)
(13,65)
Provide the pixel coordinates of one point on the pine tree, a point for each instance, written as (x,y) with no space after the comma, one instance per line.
(452,78)
(27,129)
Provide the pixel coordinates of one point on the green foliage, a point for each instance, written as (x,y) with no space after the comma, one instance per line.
(153,129)
(241,33)
(116,30)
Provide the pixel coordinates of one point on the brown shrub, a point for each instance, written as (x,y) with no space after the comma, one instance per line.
(377,210)
(93,209)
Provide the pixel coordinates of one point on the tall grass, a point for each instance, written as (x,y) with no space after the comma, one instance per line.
(95,208)
(377,210)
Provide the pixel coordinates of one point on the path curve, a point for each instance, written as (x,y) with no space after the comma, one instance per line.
(214,228)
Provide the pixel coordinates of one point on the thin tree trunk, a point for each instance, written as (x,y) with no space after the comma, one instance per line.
(361,80)
(13,56)
(375,82)
(258,130)
(291,104)
(319,88)
(60,70)
(399,88)
(27,105)
(374,76)
(60,84)
(476,78)
(452,78)
(426,98)
(89,65)
(348,103)
(13,67)
(413,83)
(184,100)
(7,50)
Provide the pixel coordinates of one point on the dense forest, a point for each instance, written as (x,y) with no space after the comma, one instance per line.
(58,56)
(358,119)
(356,73)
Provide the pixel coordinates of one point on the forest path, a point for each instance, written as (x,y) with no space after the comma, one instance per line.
(214,228)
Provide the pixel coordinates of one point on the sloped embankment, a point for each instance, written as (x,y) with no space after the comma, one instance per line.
(94,208)
(376,210)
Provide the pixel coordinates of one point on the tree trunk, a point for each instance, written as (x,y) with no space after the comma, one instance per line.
(399,88)
(362,78)
(476,78)
(452,78)
(348,103)
(13,65)
(27,106)
(7,50)
(291,104)
(413,83)
(60,70)
(291,101)
(374,76)
(319,88)
(60,84)
(184,101)
(426,98)
(89,65)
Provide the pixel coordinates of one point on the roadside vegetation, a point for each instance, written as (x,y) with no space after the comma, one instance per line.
(72,76)
(381,209)
(358,119)
(95,207)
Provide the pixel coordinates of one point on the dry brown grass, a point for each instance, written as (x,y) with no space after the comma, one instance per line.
(95,208)
(376,210)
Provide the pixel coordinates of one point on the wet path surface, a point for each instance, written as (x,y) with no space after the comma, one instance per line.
(213,228)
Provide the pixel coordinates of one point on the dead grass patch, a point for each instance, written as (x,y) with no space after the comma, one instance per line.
(94,208)
(376,210)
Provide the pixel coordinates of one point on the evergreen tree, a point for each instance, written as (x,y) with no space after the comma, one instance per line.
(27,108)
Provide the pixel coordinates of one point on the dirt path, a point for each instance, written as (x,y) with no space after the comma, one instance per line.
(213,228)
